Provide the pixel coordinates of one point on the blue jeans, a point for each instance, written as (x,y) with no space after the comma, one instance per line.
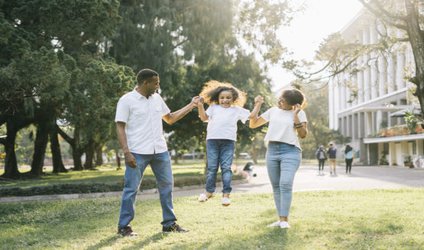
(161,167)
(219,153)
(282,160)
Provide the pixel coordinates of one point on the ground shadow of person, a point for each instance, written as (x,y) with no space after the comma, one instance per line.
(152,239)
(105,242)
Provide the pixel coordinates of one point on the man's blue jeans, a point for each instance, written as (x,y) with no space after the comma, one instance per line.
(282,160)
(219,153)
(161,167)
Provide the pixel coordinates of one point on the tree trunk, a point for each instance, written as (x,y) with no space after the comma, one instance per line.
(99,156)
(416,38)
(58,166)
(118,160)
(40,145)
(75,145)
(11,165)
(89,156)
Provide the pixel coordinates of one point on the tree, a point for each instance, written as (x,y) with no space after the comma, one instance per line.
(190,42)
(40,53)
(341,56)
(409,18)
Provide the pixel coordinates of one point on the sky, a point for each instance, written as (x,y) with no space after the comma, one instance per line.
(309,28)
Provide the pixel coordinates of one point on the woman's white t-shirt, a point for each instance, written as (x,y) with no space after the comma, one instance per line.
(281,125)
(222,122)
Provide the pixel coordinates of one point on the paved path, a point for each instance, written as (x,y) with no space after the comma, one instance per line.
(306,180)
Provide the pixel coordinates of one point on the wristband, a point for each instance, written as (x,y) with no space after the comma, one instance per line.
(298,125)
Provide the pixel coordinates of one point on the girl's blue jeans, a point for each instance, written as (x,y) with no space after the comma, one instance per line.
(282,160)
(161,167)
(219,153)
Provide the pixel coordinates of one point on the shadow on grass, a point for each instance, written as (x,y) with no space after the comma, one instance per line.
(105,242)
(152,239)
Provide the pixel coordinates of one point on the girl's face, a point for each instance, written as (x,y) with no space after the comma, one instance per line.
(282,104)
(225,99)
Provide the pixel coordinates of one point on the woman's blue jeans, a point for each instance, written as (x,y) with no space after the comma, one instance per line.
(282,160)
(161,167)
(219,153)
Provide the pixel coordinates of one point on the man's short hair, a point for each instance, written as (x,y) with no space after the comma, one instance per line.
(145,74)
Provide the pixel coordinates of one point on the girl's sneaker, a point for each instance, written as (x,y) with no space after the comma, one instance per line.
(203,197)
(226,201)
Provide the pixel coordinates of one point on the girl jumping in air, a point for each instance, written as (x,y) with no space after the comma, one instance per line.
(225,110)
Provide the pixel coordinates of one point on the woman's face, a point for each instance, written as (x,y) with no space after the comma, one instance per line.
(282,104)
(225,99)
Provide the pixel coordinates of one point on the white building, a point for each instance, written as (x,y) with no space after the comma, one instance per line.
(362,103)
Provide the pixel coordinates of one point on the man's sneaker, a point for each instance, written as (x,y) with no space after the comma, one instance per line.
(174,228)
(203,197)
(226,201)
(275,224)
(126,231)
(284,224)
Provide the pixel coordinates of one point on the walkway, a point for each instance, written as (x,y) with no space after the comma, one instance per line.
(306,179)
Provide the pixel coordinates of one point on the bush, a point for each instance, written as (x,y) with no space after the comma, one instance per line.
(83,188)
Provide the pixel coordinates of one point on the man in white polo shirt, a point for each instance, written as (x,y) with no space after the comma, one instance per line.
(139,116)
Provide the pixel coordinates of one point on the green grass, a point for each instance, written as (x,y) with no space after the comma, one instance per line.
(107,174)
(373,219)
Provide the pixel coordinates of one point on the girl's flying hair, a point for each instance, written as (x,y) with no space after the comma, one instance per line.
(212,89)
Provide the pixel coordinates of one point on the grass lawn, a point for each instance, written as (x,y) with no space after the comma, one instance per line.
(106,174)
(373,219)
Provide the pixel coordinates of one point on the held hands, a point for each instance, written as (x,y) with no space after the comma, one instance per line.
(259,100)
(195,101)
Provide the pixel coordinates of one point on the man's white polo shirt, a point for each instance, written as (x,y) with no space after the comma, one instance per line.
(143,118)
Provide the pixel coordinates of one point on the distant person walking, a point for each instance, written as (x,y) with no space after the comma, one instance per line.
(287,122)
(225,110)
(349,155)
(321,156)
(332,155)
(139,116)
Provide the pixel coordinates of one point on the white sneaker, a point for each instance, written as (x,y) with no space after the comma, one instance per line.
(202,197)
(284,224)
(226,201)
(275,224)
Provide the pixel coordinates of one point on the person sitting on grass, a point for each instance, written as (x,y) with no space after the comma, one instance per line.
(224,112)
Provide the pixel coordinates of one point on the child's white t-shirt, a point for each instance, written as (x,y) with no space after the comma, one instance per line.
(281,125)
(222,122)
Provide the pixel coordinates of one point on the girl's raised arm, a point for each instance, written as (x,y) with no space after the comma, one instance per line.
(202,113)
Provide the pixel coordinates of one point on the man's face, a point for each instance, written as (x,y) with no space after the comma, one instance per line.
(152,85)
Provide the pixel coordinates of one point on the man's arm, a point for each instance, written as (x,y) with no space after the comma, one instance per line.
(173,117)
(122,138)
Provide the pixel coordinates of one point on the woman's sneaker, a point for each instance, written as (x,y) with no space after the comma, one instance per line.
(284,224)
(275,224)
(280,224)
(226,201)
(203,197)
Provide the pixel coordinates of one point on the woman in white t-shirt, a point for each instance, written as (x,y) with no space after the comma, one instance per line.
(225,110)
(287,122)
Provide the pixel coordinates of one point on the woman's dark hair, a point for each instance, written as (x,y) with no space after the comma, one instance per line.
(293,96)
(145,74)
(214,94)
(348,149)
